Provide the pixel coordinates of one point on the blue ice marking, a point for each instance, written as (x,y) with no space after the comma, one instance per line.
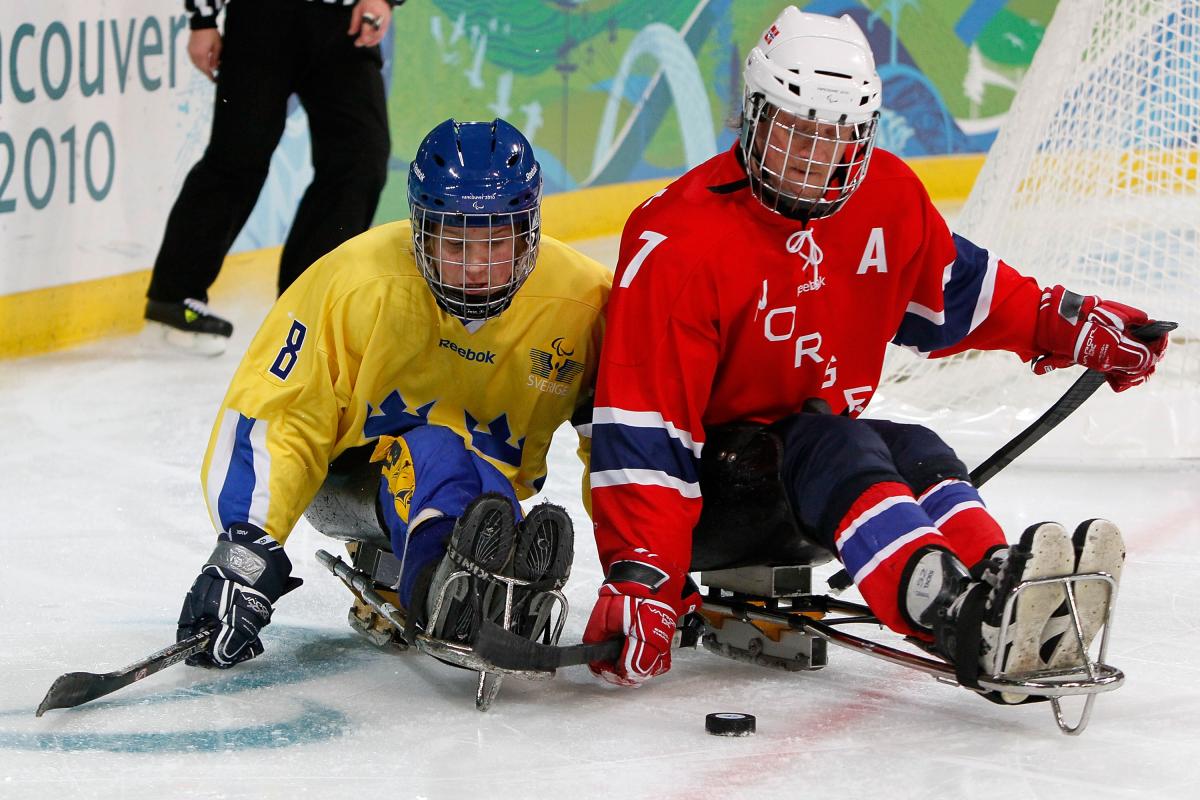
(316,723)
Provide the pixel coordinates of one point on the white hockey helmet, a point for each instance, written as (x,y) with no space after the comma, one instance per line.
(809,113)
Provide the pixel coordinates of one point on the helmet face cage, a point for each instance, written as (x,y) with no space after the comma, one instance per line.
(475,263)
(474,194)
(803,165)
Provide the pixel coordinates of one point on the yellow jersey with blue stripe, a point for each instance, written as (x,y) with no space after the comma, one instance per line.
(357,348)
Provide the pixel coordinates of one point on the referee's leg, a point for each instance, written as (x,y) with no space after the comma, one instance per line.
(343,94)
(219,193)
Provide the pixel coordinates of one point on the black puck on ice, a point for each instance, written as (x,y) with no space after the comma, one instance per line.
(729,724)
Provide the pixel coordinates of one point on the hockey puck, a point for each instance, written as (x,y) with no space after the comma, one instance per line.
(729,724)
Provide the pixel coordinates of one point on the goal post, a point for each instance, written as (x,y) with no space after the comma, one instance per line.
(1093,183)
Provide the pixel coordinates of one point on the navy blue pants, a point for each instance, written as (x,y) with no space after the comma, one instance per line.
(780,500)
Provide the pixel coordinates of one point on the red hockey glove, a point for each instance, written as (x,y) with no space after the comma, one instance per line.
(1097,334)
(641,602)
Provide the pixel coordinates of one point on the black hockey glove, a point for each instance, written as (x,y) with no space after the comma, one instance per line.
(235,591)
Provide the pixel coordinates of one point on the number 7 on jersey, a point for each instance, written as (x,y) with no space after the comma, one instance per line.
(652,240)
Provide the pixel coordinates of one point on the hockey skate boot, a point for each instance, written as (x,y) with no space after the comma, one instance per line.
(515,571)
(1098,549)
(190,325)
(967,630)
(463,586)
(542,558)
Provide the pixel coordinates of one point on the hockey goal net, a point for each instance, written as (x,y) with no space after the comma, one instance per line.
(1091,183)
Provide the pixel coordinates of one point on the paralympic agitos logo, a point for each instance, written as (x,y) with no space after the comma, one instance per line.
(552,369)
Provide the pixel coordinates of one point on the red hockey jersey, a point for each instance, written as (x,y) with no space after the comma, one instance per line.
(724,311)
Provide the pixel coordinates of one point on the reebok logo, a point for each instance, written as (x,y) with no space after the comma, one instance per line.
(811,286)
(484,357)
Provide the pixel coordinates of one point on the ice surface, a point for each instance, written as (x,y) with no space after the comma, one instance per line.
(104,528)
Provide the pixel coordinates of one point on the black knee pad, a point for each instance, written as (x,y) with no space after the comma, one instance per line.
(746,518)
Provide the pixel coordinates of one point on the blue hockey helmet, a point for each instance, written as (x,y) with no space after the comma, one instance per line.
(474,194)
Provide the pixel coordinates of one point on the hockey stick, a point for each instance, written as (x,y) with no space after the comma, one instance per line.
(1083,388)
(77,688)
(508,650)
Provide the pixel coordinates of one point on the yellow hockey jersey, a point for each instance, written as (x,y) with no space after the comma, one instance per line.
(357,348)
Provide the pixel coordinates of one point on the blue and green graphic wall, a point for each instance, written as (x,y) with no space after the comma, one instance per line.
(102,115)
(621,90)
(611,91)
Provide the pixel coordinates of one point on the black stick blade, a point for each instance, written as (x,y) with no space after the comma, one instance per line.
(76,688)
(507,650)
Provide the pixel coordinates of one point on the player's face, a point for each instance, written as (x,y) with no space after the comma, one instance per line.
(474,260)
(800,155)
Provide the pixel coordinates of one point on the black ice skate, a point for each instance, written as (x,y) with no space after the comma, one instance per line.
(542,558)
(463,585)
(969,631)
(190,325)
(507,573)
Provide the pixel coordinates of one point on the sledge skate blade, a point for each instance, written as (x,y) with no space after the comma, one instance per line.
(1090,677)
(462,655)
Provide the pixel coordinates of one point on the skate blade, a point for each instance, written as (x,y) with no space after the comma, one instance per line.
(209,345)
(377,631)
(458,654)
(775,645)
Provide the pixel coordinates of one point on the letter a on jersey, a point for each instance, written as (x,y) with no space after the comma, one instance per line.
(874,254)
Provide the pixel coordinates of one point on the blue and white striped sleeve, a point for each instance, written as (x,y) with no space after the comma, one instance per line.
(240,465)
(968,289)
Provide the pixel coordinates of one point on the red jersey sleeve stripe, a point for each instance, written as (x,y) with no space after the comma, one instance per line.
(641,448)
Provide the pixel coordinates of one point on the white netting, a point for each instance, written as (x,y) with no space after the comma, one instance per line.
(1093,183)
